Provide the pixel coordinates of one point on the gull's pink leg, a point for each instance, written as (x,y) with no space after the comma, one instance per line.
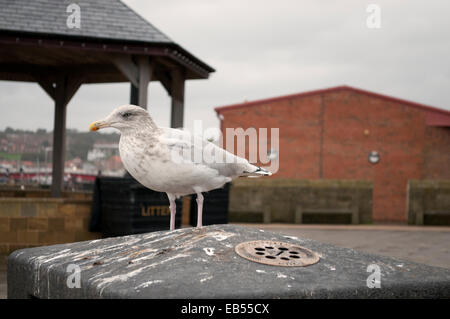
(200,209)
(173,210)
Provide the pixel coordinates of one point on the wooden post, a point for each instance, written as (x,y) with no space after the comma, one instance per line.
(61,92)
(177,92)
(59,138)
(145,74)
(134,94)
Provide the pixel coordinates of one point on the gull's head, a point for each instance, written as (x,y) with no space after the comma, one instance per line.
(123,118)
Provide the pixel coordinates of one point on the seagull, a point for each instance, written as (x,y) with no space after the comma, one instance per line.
(172,160)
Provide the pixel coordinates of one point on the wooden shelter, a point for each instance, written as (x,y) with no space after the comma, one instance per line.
(39,42)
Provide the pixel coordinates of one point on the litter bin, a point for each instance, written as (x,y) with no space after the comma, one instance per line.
(215,207)
(122,206)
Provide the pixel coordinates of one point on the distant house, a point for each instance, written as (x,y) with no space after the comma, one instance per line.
(114,163)
(349,133)
(76,163)
(102,151)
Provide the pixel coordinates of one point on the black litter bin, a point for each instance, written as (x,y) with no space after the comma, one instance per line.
(122,206)
(215,207)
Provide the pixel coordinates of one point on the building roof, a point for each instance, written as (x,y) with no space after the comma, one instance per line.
(105,19)
(435,116)
(110,22)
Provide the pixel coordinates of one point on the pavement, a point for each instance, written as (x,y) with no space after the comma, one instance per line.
(421,244)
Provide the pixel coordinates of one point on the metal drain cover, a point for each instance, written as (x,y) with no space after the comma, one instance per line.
(276,253)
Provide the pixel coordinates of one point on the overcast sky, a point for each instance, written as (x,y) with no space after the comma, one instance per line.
(263,49)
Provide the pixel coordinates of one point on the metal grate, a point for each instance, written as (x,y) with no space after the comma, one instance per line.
(276,253)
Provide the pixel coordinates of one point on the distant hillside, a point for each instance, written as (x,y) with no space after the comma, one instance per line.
(28,145)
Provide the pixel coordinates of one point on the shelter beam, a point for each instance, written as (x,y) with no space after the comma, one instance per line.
(128,68)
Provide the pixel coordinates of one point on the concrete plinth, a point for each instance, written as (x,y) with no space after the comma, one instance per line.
(202,263)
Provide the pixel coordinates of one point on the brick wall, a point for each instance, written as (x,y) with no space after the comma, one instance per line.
(395,131)
(31,222)
(437,160)
(330,134)
(299,123)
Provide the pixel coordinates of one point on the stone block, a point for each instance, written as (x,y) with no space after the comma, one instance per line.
(37,223)
(46,209)
(8,209)
(18,223)
(47,237)
(4,249)
(4,224)
(8,237)
(56,224)
(28,209)
(202,263)
(27,237)
(83,209)
(73,223)
(67,210)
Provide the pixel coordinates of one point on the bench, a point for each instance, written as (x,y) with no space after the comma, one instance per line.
(300,210)
(421,213)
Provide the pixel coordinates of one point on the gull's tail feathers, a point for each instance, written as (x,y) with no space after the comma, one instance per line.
(258,172)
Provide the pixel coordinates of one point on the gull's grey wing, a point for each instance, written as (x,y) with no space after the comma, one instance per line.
(193,149)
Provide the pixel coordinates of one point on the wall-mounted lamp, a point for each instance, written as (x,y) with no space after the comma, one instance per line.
(374,157)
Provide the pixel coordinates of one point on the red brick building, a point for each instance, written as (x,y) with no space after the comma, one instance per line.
(330,133)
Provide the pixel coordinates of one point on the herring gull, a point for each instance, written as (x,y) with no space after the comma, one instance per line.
(172,160)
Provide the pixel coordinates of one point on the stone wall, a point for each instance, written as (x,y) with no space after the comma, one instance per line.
(31,192)
(248,197)
(427,197)
(35,221)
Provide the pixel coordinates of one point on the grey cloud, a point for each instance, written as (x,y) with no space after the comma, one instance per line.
(268,48)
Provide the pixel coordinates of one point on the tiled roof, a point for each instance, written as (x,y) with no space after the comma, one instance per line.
(103,19)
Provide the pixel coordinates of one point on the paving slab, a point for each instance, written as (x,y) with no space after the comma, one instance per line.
(202,263)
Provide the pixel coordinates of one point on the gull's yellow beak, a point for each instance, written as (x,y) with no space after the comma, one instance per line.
(95,126)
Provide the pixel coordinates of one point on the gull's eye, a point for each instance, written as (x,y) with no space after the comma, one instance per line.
(126,115)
